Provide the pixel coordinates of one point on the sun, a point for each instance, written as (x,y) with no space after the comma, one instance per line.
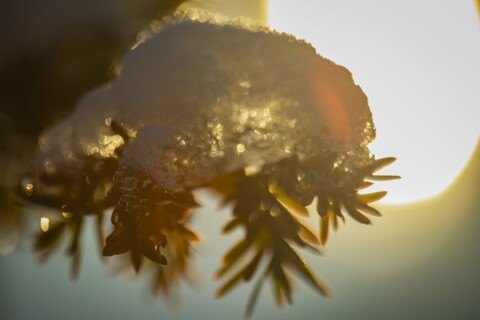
(418,64)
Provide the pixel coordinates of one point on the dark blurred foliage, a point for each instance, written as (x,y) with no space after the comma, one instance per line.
(52,52)
(55,51)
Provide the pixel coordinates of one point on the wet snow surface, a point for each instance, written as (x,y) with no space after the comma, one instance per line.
(202,96)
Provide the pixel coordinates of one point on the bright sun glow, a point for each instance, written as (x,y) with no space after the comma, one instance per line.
(417,61)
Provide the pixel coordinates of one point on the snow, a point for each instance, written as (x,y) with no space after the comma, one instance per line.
(202,96)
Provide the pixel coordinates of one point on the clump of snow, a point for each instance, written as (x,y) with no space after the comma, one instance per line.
(204,96)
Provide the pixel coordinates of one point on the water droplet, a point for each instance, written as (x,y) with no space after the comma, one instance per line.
(275,211)
(28,189)
(245,84)
(67,214)
(44,224)
(50,167)
(251,170)
(272,187)
(264,206)
(240,148)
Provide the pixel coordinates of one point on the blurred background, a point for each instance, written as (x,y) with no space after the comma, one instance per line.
(417,63)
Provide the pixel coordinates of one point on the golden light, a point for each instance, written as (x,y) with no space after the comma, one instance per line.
(44,224)
(418,64)
(66,214)
(28,189)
